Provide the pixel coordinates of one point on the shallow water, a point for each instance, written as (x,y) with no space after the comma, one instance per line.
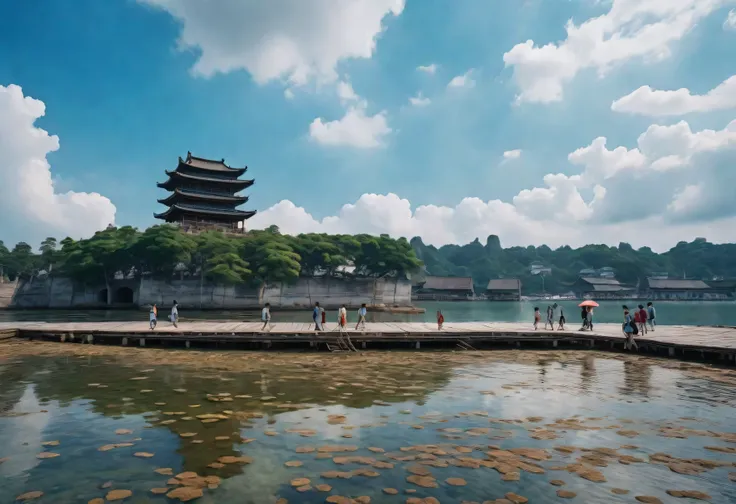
(668,313)
(470,407)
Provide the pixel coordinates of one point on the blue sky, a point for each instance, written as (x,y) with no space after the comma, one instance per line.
(129,86)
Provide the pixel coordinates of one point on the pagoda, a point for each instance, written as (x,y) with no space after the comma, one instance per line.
(204,196)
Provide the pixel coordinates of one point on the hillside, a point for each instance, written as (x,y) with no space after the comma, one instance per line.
(698,259)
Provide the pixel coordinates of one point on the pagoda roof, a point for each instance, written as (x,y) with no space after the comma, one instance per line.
(227,214)
(234,182)
(185,194)
(212,165)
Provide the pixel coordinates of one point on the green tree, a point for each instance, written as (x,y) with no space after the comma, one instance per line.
(48,252)
(220,260)
(160,249)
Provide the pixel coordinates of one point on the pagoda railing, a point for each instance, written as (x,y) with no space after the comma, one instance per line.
(208,193)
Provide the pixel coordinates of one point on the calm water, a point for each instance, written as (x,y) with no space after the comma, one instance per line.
(383,409)
(677,313)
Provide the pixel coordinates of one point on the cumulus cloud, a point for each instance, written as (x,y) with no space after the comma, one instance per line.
(430,69)
(296,40)
(673,181)
(346,93)
(631,29)
(28,199)
(730,22)
(354,129)
(419,100)
(651,102)
(462,81)
(512,154)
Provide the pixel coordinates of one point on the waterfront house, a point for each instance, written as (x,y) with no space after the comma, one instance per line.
(504,289)
(436,288)
(602,288)
(683,289)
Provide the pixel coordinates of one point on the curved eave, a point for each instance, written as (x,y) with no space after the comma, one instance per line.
(225,169)
(232,182)
(179,195)
(234,214)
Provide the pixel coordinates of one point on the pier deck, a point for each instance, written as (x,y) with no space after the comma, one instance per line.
(717,342)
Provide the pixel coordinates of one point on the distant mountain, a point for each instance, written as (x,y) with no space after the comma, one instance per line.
(698,259)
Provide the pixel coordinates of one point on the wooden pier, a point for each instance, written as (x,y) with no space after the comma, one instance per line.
(700,342)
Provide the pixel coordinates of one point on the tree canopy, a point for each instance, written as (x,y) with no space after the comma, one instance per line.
(255,257)
(698,259)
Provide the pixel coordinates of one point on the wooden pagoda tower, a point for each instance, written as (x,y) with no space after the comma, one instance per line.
(204,196)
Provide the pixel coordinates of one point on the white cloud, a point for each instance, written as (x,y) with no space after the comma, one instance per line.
(462,81)
(354,129)
(288,94)
(280,39)
(660,184)
(346,93)
(730,22)
(419,100)
(430,69)
(631,29)
(512,154)
(650,102)
(28,200)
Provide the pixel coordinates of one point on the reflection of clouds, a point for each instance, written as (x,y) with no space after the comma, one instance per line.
(23,429)
(318,417)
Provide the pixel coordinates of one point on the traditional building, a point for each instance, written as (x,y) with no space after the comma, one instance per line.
(204,195)
(602,288)
(683,290)
(504,289)
(436,288)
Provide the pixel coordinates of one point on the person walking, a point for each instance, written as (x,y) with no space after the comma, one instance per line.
(342,318)
(440,320)
(589,318)
(537,317)
(153,317)
(174,317)
(317,317)
(266,317)
(642,320)
(651,314)
(362,312)
(584,317)
(550,318)
(561,327)
(629,328)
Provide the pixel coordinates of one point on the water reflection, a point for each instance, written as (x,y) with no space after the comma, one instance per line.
(355,423)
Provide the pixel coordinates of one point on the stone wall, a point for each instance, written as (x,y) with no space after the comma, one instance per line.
(54,292)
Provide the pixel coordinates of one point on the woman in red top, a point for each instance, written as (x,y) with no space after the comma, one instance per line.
(440,320)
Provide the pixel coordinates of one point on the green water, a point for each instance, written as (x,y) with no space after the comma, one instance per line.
(669,313)
(394,402)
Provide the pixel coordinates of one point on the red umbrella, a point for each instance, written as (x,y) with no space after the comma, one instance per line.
(589,302)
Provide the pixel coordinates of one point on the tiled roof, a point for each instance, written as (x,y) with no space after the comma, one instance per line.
(208,164)
(448,283)
(600,281)
(610,288)
(655,283)
(504,284)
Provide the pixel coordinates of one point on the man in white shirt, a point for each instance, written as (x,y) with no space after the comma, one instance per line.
(175,314)
(362,311)
(266,316)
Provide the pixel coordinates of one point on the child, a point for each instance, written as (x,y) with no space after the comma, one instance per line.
(651,314)
(642,320)
(266,316)
(174,317)
(440,320)
(561,327)
(362,311)
(152,316)
(537,317)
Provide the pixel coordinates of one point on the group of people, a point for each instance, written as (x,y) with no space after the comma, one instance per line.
(642,321)
(173,316)
(551,316)
(319,317)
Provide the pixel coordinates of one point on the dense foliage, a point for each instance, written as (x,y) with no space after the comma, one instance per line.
(255,257)
(698,259)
